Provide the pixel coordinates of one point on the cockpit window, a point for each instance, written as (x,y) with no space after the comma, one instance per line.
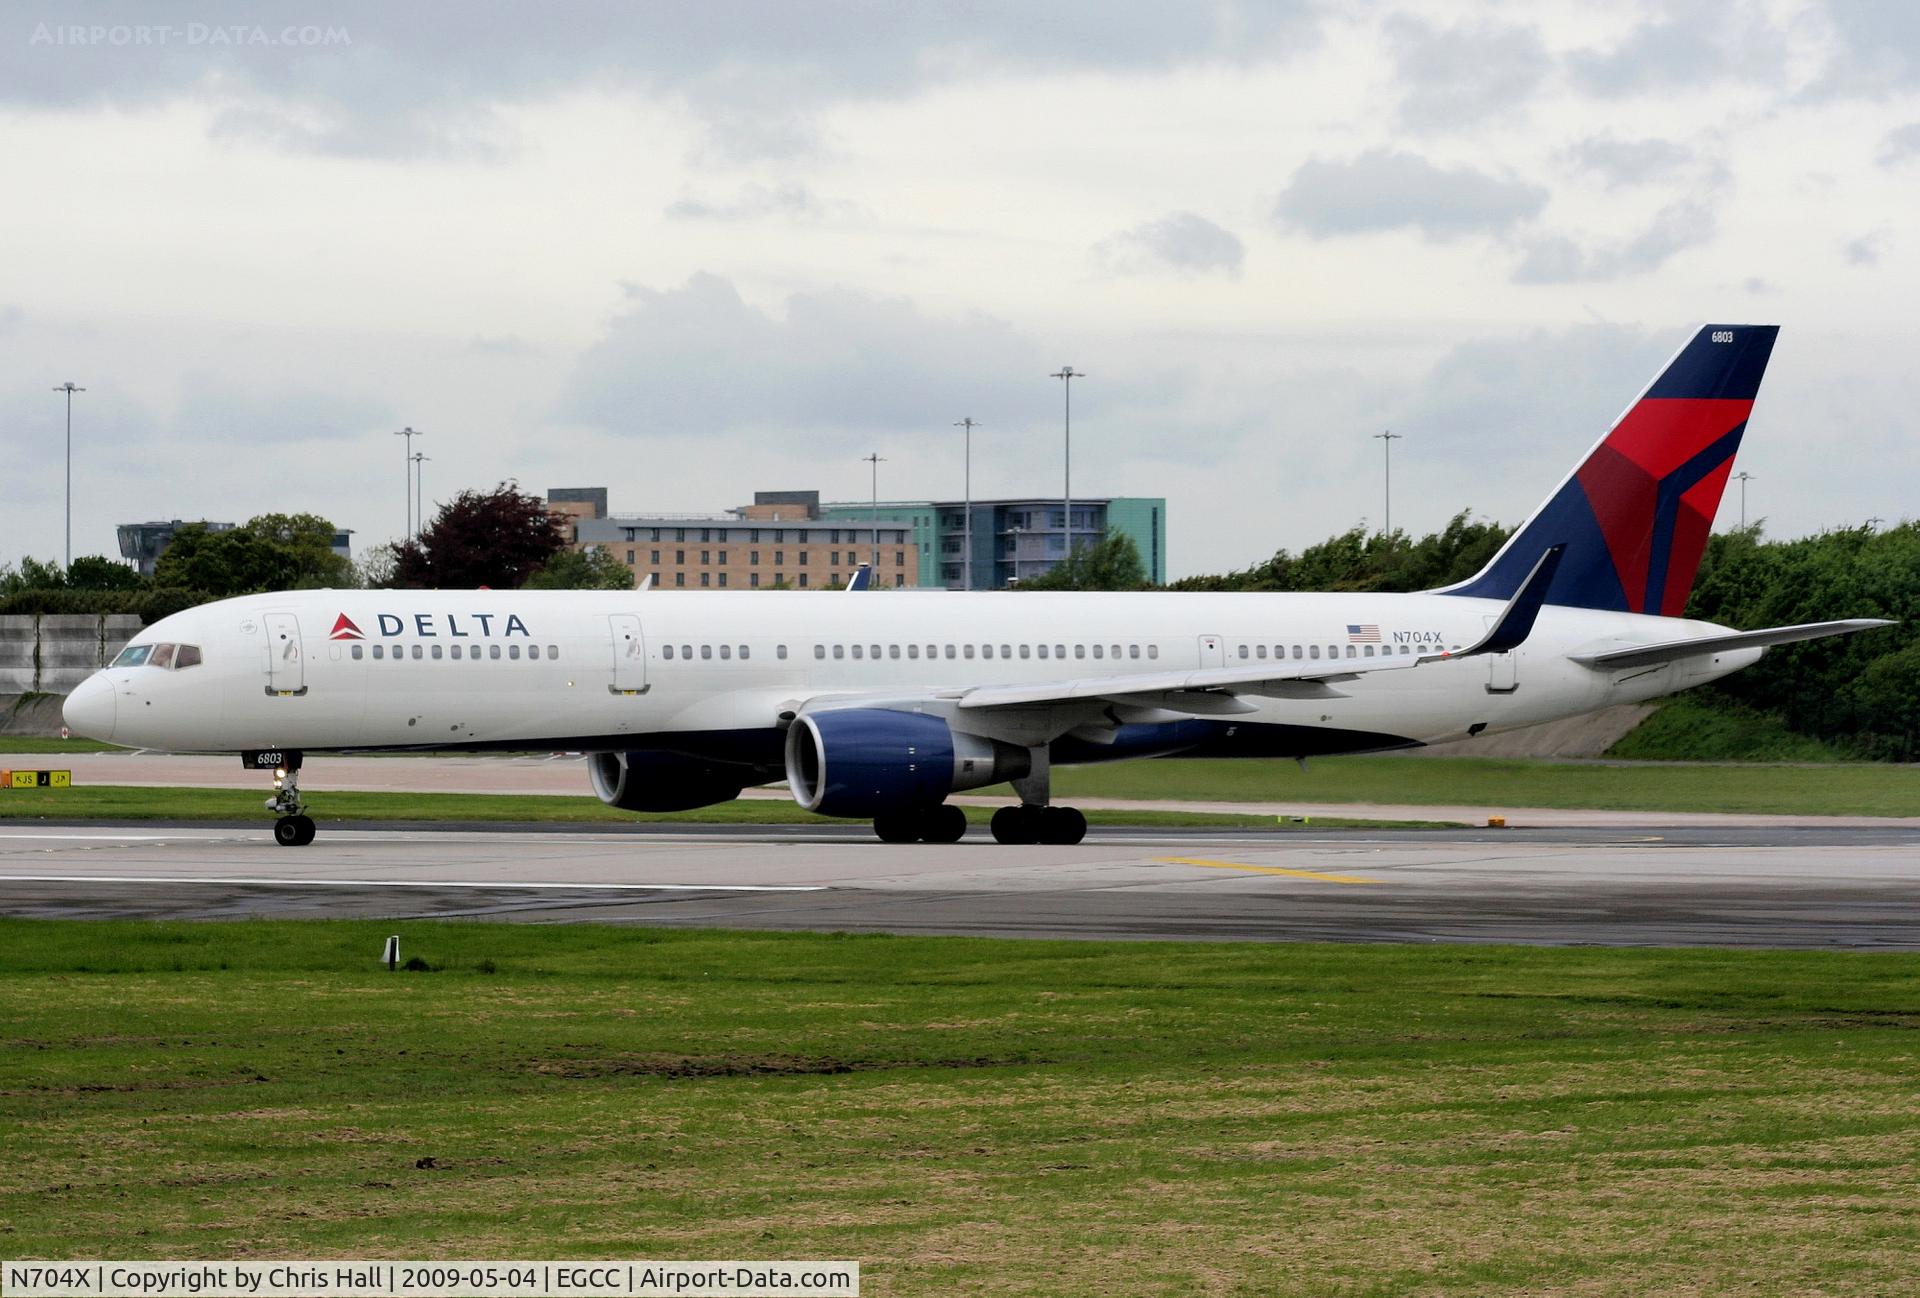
(133,655)
(188,656)
(170,656)
(162,656)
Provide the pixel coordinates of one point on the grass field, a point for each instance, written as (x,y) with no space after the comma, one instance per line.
(37,744)
(122,802)
(968,1116)
(1862,789)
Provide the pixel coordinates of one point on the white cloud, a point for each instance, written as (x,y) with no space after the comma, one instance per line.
(1461,76)
(1392,190)
(1181,242)
(1557,259)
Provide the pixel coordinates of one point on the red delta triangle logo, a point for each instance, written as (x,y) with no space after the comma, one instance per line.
(344,629)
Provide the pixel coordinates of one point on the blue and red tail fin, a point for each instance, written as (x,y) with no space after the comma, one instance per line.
(1634,516)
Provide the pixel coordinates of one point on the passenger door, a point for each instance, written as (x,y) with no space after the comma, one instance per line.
(286,661)
(629,655)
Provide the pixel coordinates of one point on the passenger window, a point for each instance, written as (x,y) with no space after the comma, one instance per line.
(1116,651)
(986,651)
(133,655)
(666,651)
(1079,651)
(162,656)
(1315,650)
(950,652)
(1006,651)
(513,652)
(706,651)
(1097,651)
(1369,652)
(1133,651)
(456,652)
(933,651)
(686,651)
(859,650)
(1153,651)
(1026,651)
(1059,651)
(436,652)
(553,651)
(819,651)
(357,654)
(1259,651)
(1043,651)
(726,651)
(873,651)
(780,651)
(1296,652)
(379,651)
(493,651)
(913,651)
(1243,651)
(1352,652)
(966,651)
(839,651)
(893,651)
(743,651)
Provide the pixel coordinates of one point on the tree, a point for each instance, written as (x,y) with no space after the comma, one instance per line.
(32,574)
(594,568)
(1111,563)
(498,538)
(97,572)
(268,552)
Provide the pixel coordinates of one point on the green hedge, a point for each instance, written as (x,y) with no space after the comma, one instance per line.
(149,605)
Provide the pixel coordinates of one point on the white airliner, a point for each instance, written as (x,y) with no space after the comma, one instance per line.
(882,704)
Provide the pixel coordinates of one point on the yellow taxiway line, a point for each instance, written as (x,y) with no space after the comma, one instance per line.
(1267,869)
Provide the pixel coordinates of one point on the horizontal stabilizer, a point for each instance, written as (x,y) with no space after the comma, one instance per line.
(1673,650)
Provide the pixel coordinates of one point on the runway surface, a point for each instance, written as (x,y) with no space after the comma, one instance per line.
(1828,886)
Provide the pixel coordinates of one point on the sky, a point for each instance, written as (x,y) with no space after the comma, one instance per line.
(691,250)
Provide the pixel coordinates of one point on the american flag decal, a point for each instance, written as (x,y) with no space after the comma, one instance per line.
(1363,633)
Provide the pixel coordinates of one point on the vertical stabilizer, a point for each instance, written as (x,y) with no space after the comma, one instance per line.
(1634,515)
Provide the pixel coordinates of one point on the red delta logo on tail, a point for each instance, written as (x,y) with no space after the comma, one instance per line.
(1635,515)
(344,629)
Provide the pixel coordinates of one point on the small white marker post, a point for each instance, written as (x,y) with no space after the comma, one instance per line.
(391,956)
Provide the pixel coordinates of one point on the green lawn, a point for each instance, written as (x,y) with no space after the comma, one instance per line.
(32,744)
(969,1116)
(1861,789)
(123,802)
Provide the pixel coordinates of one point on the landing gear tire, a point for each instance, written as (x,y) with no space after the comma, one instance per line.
(945,824)
(293,831)
(1062,826)
(1017,825)
(897,827)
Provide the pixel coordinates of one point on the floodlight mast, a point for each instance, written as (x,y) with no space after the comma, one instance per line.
(69,387)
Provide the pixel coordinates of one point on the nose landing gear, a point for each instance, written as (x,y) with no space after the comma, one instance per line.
(294,828)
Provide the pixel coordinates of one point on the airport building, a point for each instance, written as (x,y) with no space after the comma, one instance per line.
(1014,539)
(776,541)
(792,537)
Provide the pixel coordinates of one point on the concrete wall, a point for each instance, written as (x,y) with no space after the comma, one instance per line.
(53,652)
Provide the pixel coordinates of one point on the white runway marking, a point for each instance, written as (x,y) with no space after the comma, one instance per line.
(121,838)
(294,882)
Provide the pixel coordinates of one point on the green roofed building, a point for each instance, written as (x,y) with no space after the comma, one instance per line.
(1013,539)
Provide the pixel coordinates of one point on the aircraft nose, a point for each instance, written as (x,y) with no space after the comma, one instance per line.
(89,709)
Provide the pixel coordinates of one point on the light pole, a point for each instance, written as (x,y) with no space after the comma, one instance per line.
(1068,374)
(406,495)
(966,561)
(1743,478)
(69,388)
(1386,441)
(419,475)
(873,521)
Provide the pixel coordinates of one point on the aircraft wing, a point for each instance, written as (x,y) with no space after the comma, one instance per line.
(1183,690)
(1673,650)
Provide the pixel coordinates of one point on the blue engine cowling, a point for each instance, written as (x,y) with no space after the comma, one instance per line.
(870,761)
(652,781)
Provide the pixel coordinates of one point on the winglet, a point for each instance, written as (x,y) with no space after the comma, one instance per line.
(862,579)
(1515,623)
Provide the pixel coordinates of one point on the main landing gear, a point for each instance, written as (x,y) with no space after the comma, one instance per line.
(294,828)
(941,824)
(1028,823)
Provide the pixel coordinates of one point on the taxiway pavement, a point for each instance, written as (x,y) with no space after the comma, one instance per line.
(1833,885)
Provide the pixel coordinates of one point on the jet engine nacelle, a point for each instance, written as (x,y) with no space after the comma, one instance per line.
(654,781)
(870,761)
